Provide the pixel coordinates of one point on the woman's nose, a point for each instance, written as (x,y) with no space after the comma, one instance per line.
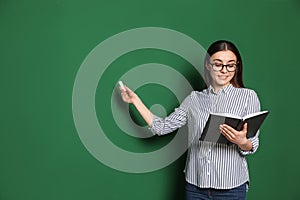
(224,69)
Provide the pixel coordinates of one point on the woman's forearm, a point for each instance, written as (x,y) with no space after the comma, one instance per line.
(143,110)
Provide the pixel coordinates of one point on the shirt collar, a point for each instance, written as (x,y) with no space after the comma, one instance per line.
(223,90)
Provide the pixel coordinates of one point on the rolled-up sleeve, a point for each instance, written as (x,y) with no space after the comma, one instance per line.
(162,126)
(177,119)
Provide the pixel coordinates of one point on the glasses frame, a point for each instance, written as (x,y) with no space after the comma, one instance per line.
(214,64)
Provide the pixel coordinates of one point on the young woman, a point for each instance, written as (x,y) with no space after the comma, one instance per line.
(213,171)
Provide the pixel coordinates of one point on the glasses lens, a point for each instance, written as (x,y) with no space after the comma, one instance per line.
(217,66)
(231,67)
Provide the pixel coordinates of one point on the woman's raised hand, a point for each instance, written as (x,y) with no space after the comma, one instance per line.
(128,95)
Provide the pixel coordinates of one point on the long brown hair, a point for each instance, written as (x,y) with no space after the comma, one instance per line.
(223,45)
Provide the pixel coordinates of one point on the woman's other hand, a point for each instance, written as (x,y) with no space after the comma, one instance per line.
(237,137)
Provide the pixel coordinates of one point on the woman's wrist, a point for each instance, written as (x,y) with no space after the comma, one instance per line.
(135,100)
(143,110)
(246,145)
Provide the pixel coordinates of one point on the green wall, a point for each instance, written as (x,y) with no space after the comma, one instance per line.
(44,43)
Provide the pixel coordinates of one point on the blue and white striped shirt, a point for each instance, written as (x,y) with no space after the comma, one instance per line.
(211,165)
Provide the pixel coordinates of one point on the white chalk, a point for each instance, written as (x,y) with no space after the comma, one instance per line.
(122,85)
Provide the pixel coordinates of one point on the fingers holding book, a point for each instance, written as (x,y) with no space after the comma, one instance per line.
(234,136)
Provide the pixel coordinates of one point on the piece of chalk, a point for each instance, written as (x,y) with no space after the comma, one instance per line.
(122,85)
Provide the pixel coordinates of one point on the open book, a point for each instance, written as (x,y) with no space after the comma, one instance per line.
(211,131)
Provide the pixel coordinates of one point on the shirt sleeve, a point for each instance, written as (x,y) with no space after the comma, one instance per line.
(253,105)
(177,119)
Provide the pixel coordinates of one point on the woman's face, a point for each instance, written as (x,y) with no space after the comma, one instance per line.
(222,68)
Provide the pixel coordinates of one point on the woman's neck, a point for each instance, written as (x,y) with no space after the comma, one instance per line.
(217,88)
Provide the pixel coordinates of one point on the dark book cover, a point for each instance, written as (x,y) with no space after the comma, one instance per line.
(211,131)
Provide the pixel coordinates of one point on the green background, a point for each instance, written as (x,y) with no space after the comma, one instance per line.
(42,45)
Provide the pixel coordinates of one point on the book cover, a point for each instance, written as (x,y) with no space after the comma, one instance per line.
(211,131)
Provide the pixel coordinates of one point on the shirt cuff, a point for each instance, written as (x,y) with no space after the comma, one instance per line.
(151,127)
(255,143)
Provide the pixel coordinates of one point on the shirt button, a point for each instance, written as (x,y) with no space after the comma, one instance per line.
(208,173)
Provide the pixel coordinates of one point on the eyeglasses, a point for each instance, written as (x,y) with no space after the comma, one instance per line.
(219,67)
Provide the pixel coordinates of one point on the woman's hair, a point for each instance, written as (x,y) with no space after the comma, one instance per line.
(223,45)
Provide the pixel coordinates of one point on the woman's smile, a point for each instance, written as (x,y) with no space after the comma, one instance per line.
(223,77)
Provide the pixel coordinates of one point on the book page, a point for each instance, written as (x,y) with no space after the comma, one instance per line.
(254,114)
(227,115)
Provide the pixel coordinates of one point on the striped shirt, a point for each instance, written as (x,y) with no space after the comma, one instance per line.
(212,165)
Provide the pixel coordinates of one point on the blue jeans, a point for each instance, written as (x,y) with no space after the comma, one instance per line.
(195,193)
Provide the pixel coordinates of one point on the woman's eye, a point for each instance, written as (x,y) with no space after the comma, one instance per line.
(231,65)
